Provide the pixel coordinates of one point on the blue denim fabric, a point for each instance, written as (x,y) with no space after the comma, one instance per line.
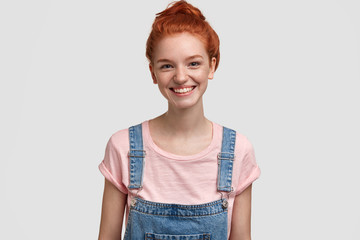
(136,156)
(226,158)
(160,221)
(149,220)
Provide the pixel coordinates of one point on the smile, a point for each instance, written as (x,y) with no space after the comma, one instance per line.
(182,90)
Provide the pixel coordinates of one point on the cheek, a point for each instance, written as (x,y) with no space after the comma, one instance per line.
(163,78)
(163,86)
(202,76)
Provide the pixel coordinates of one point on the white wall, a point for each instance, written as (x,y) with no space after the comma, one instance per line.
(73,72)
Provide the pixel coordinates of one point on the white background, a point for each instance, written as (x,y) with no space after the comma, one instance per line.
(74,72)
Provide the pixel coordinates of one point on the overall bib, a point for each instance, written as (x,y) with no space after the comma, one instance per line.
(159,221)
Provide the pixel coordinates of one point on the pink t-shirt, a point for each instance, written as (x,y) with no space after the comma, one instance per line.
(170,178)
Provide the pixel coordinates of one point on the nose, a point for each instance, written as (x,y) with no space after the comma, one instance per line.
(180,76)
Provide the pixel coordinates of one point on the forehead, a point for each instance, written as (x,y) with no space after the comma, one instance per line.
(179,45)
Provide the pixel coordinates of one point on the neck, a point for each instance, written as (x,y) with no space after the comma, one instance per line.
(185,122)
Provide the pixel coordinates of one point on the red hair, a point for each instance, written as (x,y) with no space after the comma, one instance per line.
(181,17)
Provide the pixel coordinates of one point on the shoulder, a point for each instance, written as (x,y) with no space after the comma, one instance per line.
(119,140)
(120,137)
(242,143)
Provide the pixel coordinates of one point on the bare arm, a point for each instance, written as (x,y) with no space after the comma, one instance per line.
(241,218)
(112,214)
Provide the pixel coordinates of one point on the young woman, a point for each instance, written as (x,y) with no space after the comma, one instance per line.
(180,175)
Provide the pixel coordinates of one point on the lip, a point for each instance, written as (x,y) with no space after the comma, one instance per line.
(183,94)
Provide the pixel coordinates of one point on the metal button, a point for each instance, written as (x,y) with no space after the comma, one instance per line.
(225,204)
(133,202)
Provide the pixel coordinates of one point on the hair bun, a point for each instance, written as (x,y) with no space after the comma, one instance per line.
(181,7)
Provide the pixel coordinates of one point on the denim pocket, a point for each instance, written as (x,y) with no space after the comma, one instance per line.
(154,236)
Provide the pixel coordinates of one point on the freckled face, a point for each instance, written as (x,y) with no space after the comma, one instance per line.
(181,69)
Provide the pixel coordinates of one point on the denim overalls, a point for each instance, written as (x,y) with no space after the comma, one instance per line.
(153,221)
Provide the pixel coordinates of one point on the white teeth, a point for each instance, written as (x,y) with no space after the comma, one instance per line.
(183,90)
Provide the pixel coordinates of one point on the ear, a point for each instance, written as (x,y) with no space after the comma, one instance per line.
(212,68)
(152,73)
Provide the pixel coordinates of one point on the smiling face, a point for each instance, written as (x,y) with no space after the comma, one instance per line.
(181,68)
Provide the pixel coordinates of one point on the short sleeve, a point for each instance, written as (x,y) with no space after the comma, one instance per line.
(110,167)
(249,170)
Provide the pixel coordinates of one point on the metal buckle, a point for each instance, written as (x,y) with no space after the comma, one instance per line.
(138,156)
(225,203)
(231,156)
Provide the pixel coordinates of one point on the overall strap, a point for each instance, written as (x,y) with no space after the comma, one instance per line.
(136,157)
(225,160)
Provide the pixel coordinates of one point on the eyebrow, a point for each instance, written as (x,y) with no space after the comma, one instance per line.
(188,58)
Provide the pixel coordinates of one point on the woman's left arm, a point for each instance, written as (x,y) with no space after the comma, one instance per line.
(241,217)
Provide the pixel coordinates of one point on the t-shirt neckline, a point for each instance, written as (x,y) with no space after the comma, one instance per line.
(148,140)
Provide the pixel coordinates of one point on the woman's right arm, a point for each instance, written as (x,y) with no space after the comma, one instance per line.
(112,214)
